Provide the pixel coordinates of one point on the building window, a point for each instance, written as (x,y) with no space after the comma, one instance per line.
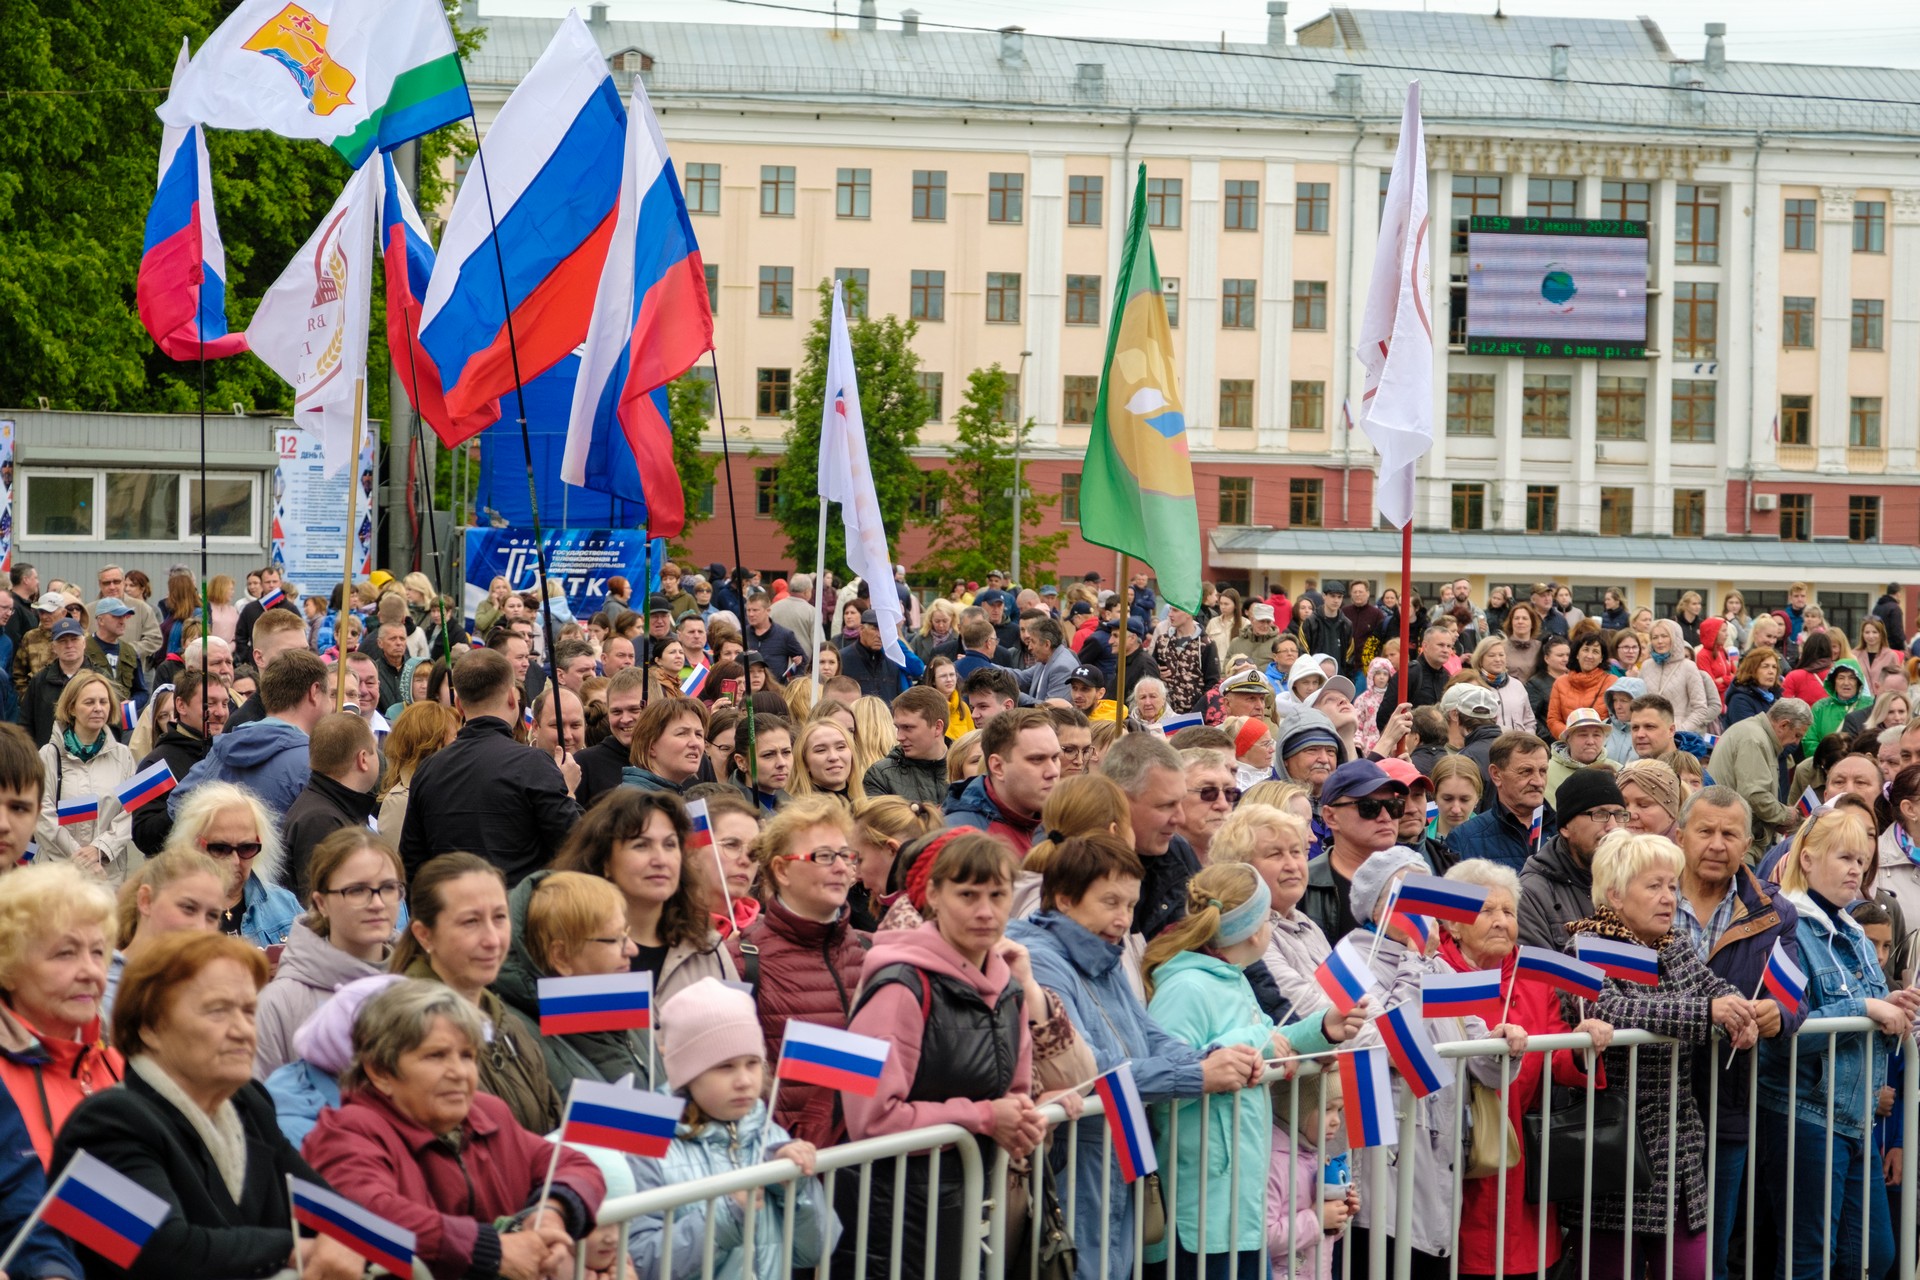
(1869,226)
(854,288)
(927,296)
(1796,323)
(776,191)
(776,291)
(1696,321)
(1553,197)
(853,193)
(1312,202)
(1696,223)
(773,393)
(925,501)
(1236,404)
(1800,229)
(1083,299)
(1543,508)
(1869,317)
(1693,410)
(933,388)
(1303,503)
(1863,422)
(136,505)
(1689,513)
(1863,518)
(929,195)
(766,490)
(1069,497)
(1620,408)
(1236,304)
(1006,194)
(1243,206)
(1473,196)
(1307,406)
(1163,203)
(1546,406)
(1170,294)
(1082,391)
(1010,399)
(1616,512)
(1469,404)
(1310,304)
(1796,420)
(1083,201)
(705,506)
(713,287)
(1796,517)
(702,189)
(1469,507)
(1003,297)
(1236,500)
(1626,201)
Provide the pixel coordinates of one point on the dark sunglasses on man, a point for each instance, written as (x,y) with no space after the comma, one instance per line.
(1370,807)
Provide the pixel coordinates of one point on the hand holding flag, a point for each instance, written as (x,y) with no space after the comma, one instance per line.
(1345,976)
(1405,1036)
(1127,1121)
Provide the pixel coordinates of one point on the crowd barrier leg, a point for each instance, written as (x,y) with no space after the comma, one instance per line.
(1909,1122)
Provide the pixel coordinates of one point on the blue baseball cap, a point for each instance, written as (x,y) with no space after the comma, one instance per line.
(1358,778)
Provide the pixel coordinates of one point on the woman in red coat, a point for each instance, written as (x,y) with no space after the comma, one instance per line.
(1488,943)
(1712,656)
(416,1142)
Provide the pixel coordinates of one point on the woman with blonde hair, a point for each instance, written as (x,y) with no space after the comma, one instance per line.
(1281,793)
(799,696)
(155,722)
(1084,805)
(419,731)
(882,826)
(874,737)
(177,892)
(823,764)
(84,759)
(230,825)
(1489,662)
(1274,841)
(1457,788)
(965,759)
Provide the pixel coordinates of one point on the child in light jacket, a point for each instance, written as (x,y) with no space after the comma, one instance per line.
(1304,1217)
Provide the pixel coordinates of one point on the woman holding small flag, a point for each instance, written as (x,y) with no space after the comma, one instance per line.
(80,820)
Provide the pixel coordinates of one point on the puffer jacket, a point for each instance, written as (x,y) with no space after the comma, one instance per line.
(49,1078)
(720,1148)
(67,778)
(1712,658)
(311,969)
(1295,950)
(1555,891)
(1831,711)
(1500,835)
(978,806)
(807,970)
(1744,700)
(917,781)
(1577,689)
(512,1068)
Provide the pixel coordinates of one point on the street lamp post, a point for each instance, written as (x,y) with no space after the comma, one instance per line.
(1019,432)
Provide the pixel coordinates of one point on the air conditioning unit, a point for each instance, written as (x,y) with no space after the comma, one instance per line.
(1766,502)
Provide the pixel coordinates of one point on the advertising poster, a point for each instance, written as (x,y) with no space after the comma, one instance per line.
(581,559)
(310,510)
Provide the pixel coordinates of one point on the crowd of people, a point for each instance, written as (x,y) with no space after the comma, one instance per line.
(1051,831)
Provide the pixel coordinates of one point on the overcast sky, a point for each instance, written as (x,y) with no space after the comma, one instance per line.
(1865,32)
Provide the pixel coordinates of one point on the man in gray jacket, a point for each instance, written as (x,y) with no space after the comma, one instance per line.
(1556,884)
(1053,662)
(1749,758)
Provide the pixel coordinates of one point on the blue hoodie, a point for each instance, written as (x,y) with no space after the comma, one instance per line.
(268,757)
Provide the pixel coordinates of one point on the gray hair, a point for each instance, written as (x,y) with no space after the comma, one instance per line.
(800,584)
(208,801)
(1205,758)
(190,655)
(1140,686)
(1717,797)
(399,1019)
(1135,756)
(1487,874)
(1892,734)
(1790,711)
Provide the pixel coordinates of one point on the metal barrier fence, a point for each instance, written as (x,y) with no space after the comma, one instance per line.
(987,1228)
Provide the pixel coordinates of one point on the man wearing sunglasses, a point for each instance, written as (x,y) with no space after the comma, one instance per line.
(1502,832)
(1556,885)
(1361,807)
(1211,795)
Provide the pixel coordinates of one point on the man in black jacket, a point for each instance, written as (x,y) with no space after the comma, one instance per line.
(1427,674)
(251,611)
(600,764)
(485,793)
(1327,631)
(866,661)
(786,656)
(346,769)
(201,711)
(916,769)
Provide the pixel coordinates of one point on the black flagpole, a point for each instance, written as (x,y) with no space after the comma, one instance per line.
(739,575)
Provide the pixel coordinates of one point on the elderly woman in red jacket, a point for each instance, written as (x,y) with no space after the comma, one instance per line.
(417,1143)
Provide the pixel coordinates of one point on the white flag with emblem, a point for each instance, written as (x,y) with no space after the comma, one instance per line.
(846,478)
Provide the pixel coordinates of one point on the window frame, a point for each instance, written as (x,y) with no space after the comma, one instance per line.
(1304,295)
(1239,303)
(1863,509)
(927,295)
(1236,404)
(775,283)
(998,293)
(780,180)
(929,191)
(1236,501)
(1557,198)
(936,398)
(185,509)
(1240,204)
(1543,508)
(1011,195)
(766,490)
(1079,397)
(1701,312)
(1471,393)
(1798,506)
(1798,322)
(1690,245)
(767,390)
(1466,506)
(703,179)
(1616,511)
(1312,208)
(857,305)
(1619,201)
(1694,396)
(1799,225)
(1076,297)
(1091,196)
(1070,497)
(1539,393)
(1480,199)
(1870,226)
(1690,508)
(1165,195)
(1610,404)
(1804,413)
(1306,405)
(1866,418)
(853,194)
(1306,502)
(1867,324)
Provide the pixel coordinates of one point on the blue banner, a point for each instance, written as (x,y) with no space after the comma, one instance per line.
(581,560)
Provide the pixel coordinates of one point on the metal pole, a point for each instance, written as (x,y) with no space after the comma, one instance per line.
(1019,434)
(353,532)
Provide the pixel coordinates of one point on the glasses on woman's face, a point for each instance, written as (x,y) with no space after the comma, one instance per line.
(623,941)
(358,895)
(826,857)
(245,850)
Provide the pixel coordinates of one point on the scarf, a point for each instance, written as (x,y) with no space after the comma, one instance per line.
(84,754)
(226,1141)
(1661,659)
(1905,842)
(1497,682)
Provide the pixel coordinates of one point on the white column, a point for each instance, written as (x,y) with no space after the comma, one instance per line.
(1273,392)
(1044,285)
(1431,482)
(1655,498)
(1836,326)
(1901,420)
(1580,497)
(1765,302)
(1200,309)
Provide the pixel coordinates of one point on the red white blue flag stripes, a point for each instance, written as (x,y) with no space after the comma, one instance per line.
(1624,961)
(700,836)
(1345,975)
(75,809)
(150,783)
(1561,972)
(100,1208)
(629,1120)
(596,1002)
(833,1059)
(1127,1120)
(1369,1099)
(383,1243)
(1783,979)
(1443,899)
(1459,995)
(1405,1035)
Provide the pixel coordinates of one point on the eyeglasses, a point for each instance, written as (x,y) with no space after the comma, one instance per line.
(1075,753)
(1370,807)
(826,857)
(358,895)
(1212,792)
(1610,817)
(246,850)
(624,941)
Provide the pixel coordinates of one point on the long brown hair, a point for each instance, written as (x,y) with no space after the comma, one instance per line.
(417,733)
(425,900)
(621,815)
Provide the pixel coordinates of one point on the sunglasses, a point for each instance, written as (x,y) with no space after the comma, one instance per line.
(1369,807)
(1212,792)
(246,850)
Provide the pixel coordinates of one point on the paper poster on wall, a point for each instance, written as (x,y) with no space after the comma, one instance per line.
(310,510)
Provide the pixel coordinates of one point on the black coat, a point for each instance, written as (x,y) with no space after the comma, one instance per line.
(243,627)
(894,774)
(487,794)
(322,808)
(43,694)
(247,712)
(1163,892)
(1428,685)
(182,749)
(600,767)
(145,1137)
(780,647)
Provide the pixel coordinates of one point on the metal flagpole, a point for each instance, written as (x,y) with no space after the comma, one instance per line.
(353,531)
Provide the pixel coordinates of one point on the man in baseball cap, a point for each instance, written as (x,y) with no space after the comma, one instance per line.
(1087,690)
(1361,806)
(1582,745)
(1473,721)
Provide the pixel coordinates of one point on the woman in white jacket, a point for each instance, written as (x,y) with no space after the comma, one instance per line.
(1489,661)
(1669,672)
(83,760)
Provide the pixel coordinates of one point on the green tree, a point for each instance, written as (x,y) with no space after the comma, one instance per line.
(976,494)
(894,410)
(688,400)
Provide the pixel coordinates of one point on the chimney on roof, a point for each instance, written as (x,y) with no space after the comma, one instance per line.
(869,15)
(1276,22)
(1683,75)
(1346,90)
(1010,45)
(1090,81)
(1557,61)
(909,22)
(1716,47)
(597,18)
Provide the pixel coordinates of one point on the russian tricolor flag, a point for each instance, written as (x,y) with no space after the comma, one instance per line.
(1562,973)
(1807,803)
(1783,979)
(150,783)
(833,1059)
(182,286)
(1536,826)
(78,809)
(694,680)
(652,319)
(1127,1121)
(700,834)
(1405,1037)
(1460,995)
(552,164)
(407,258)
(1368,1094)
(1624,961)
(273,599)
(1174,724)
(129,715)
(385,1244)
(1443,899)
(1345,975)
(101,1208)
(1415,927)
(629,1120)
(596,1002)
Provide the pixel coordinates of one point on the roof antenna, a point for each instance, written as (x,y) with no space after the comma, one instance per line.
(1499,10)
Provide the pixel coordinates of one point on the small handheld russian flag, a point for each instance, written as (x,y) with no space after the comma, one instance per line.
(1625,961)
(1433,811)
(1783,979)
(1127,1120)
(526,716)
(1561,972)
(1369,1099)
(630,1120)
(1443,899)
(1189,720)
(383,1243)
(700,836)
(1345,975)
(1460,995)
(273,598)
(78,809)
(102,1209)
(129,715)
(1405,1037)
(1807,803)
(1415,927)
(833,1059)
(150,783)
(596,1002)
(1536,826)
(694,680)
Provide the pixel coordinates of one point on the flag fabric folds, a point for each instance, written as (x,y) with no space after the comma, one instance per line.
(1405,1036)
(1395,344)
(833,1059)
(103,1209)
(1127,1121)
(596,1002)
(551,165)
(182,287)
(1460,995)
(651,320)
(630,1120)
(1562,973)
(77,809)
(1621,961)
(1345,975)
(1441,898)
(1783,979)
(1369,1099)
(700,834)
(354,74)
(1136,492)
(383,1243)
(150,783)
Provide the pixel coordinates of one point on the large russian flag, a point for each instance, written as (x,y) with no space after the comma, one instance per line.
(182,288)
(551,163)
(407,258)
(651,321)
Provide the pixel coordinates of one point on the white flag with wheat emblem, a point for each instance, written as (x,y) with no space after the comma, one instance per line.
(311,327)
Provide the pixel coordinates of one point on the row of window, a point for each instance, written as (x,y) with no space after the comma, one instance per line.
(137,505)
(1869,321)
(1546,407)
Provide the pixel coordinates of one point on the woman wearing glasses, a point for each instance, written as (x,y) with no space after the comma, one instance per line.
(802,957)
(358,886)
(230,825)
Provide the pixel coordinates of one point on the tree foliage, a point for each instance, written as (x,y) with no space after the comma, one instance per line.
(976,494)
(894,410)
(687,400)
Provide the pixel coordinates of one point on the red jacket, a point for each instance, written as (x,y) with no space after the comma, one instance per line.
(1712,658)
(48,1078)
(380,1160)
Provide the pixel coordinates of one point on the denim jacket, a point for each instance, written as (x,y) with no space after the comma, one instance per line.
(1843,973)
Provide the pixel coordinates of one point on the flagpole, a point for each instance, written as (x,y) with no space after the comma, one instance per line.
(1406,612)
(726,461)
(353,532)
(206,602)
(293,1223)
(1381,931)
(33,1219)
(1120,642)
(1758,987)
(553,1162)
(819,598)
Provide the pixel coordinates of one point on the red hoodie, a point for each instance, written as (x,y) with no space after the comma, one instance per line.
(1712,657)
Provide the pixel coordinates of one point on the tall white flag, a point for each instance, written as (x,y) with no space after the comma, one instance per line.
(1396,331)
(311,328)
(846,478)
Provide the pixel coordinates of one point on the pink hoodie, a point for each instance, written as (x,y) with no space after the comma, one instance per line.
(1300,1238)
(894,1015)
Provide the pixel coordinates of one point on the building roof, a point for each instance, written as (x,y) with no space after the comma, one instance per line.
(1474,69)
